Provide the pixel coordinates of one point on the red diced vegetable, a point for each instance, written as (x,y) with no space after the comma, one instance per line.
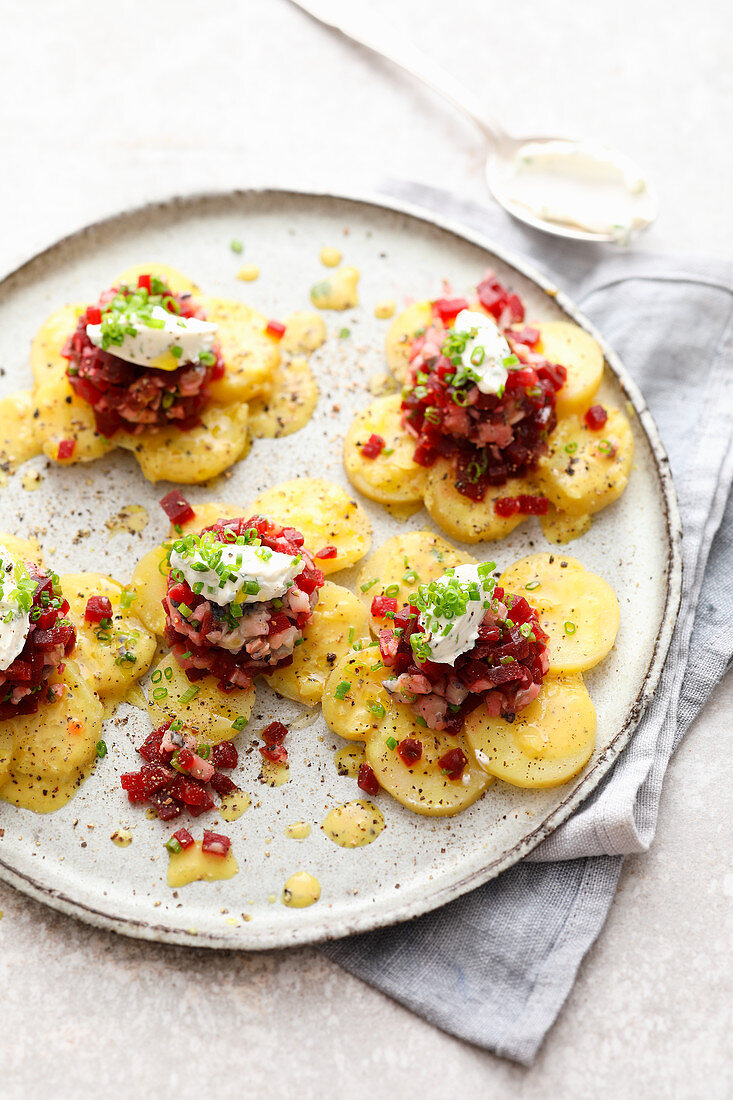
(222,784)
(506,506)
(373,446)
(447,309)
(143,282)
(66,449)
(596,417)
(98,608)
(410,750)
(224,755)
(183,836)
(383,604)
(94,315)
(276,329)
(176,507)
(367,780)
(278,754)
(326,552)
(215,843)
(453,763)
(275,733)
(532,505)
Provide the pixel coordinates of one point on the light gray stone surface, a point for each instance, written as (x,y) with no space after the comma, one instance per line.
(105,106)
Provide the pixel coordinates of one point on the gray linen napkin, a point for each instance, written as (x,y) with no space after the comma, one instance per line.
(516,943)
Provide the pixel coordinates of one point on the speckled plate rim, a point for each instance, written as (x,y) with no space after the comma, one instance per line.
(331,928)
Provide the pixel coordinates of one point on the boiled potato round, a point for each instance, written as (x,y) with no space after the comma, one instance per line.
(149,582)
(194,456)
(19,438)
(354,717)
(466,519)
(325,641)
(577,609)
(586,470)
(22,549)
(250,355)
(290,404)
(560,528)
(581,355)
(403,330)
(389,478)
(547,743)
(305,331)
(7,743)
(61,737)
(406,561)
(324,513)
(211,712)
(63,415)
(422,787)
(47,362)
(99,656)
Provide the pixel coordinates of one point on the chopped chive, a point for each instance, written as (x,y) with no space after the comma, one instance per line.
(101,749)
(531,585)
(173,845)
(569,627)
(236,245)
(188,695)
(342,689)
(391,590)
(239,723)
(369,584)
(392,743)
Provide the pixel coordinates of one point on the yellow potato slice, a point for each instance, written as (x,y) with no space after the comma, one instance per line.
(402,332)
(577,609)
(547,743)
(289,406)
(194,456)
(365,703)
(560,528)
(149,582)
(63,415)
(19,439)
(7,743)
(584,470)
(325,515)
(392,478)
(22,549)
(176,280)
(210,712)
(47,362)
(325,641)
(581,355)
(403,563)
(61,738)
(466,519)
(422,787)
(115,657)
(206,514)
(250,355)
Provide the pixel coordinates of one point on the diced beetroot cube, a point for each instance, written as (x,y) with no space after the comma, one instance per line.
(184,838)
(367,780)
(532,505)
(596,417)
(326,552)
(184,759)
(188,791)
(373,446)
(278,754)
(133,784)
(150,749)
(98,608)
(447,309)
(143,282)
(275,733)
(176,507)
(155,777)
(94,315)
(383,604)
(276,329)
(66,449)
(216,844)
(207,803)
(506,506)
(224,755)
(410,750)
(166,807)
(222,784)
(453,763)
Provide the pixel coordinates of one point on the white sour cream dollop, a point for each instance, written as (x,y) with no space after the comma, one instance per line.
(272,571)
(151,347)
(462,632)
(483,357)
(15,630)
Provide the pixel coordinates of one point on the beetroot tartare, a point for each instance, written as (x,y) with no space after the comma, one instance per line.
(488,436)
(133,396)
(50,638)
(238,598)
(502,670)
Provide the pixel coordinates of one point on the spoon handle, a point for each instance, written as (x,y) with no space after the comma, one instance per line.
(414,62)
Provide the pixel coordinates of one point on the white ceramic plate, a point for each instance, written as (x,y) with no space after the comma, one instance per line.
(66,859)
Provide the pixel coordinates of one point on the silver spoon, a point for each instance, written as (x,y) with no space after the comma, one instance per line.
(567,187)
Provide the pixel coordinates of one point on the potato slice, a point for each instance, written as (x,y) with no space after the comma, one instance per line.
(210,712)
(389,478)
(7,743)
(250,355)
(47,362)
(325,641)
(61,738)
(353,716)
(324,513)
(149,582)
(176,280)
(560,528)
(404,562)
(578,610)
(547,743)
(586,470)
(115,657)
(289,406)
(19,439)
(466,519)
(194,456)
(581,355)
(63,415)
(22,549)
(423,788)
(402,332)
